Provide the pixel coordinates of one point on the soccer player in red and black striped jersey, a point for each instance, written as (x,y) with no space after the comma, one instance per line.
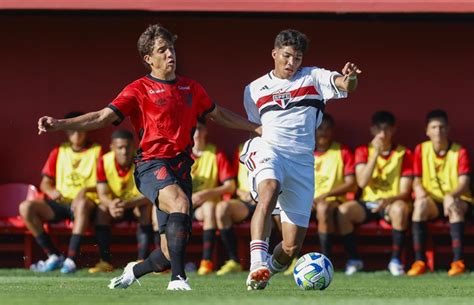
(163,108)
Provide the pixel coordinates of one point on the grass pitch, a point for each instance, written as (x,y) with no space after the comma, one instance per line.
(22,287)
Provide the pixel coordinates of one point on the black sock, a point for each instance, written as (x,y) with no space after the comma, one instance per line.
(45,242)
(157,239)
(230,243)
(156,262)
(144,237)
(74,245)
(102,234)
(457,234)
(419,239)
(325,239)
(208,240)
(177,233)
(349,242)
(398,239)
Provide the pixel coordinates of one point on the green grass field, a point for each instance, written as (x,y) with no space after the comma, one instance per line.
(24,288)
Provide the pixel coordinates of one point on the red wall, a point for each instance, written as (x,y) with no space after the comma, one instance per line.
(52,63)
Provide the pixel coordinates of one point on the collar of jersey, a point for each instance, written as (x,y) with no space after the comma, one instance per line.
(169,82)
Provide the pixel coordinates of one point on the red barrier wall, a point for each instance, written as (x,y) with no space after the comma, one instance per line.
(52,63)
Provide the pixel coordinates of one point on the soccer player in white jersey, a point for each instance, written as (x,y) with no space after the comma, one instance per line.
(289,102)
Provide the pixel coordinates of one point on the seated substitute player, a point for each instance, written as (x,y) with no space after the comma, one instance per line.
(384,173)
(233,211)
(289,102)
(120,199)
(334,178)
(69,182)
(212,178)
(163,108)
(441,186)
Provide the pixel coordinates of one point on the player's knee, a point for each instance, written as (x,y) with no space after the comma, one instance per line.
(397,212)
(181,205)
(25,208)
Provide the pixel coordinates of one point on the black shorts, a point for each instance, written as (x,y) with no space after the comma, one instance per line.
(153,175)
(369,215)
(61,211)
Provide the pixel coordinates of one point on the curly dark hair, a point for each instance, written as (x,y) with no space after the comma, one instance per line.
(292,38)
(147,39)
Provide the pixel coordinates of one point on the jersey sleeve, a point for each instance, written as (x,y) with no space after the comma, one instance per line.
(224,168)
(324,82)
(203,102)
(49,168)
(417,163)
(464,166)
(101,177)
(251,107)
(361,155)
(407,164)
(124,104)
(348,160)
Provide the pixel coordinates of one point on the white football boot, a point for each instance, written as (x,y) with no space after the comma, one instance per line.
(179,284)
(126,279)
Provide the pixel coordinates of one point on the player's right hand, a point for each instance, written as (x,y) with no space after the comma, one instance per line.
(46,123)
(377,144)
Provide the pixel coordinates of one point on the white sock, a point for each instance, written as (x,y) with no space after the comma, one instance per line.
(258,254)
(275,266)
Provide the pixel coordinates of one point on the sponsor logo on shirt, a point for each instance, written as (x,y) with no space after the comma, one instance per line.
(184,88)
(156,91)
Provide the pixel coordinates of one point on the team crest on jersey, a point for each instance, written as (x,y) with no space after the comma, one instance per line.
(282,99)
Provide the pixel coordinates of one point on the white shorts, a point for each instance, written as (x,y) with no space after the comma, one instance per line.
(296,179)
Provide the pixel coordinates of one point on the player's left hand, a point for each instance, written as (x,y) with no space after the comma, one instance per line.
(351,69)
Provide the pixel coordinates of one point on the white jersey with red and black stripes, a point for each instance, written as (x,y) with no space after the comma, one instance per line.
(291,110)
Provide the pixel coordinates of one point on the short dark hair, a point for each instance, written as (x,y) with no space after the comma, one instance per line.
(122,134)
(73,114)
(436,114)
(147,39)
(383,117)
(328,119)
(292,38)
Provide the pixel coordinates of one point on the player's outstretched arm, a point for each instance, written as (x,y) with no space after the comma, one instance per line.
(88,121)
(227,118)
(348,81)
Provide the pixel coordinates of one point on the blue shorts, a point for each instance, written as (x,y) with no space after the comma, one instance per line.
(153,175)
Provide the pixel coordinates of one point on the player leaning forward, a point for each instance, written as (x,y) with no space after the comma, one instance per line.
(163,108)
(289,102)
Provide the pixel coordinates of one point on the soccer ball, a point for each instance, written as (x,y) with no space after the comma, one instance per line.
(313,271)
